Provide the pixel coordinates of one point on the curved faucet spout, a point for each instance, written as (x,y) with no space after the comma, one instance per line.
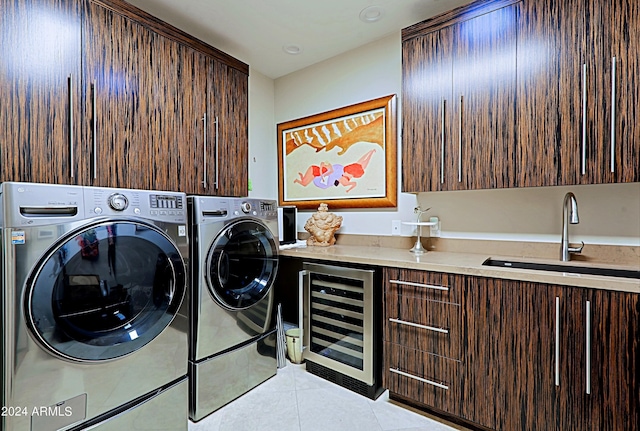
(569,215)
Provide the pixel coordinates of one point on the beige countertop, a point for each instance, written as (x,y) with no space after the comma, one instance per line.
(464,263)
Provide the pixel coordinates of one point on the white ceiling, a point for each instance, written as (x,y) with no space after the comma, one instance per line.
(255,31)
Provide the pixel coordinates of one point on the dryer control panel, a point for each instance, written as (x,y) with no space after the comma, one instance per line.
(264,209)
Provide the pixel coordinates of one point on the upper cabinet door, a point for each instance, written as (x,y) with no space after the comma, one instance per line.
(548,92)
(611,94)
(39,91)
(484,84)
(196,146)
(427,159)
(229,89)
(625,91)
(117,54)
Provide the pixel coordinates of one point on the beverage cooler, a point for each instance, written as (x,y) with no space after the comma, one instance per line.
(341,326)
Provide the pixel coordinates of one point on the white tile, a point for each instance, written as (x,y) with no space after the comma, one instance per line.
(296,400)
(262,411)
(335,409)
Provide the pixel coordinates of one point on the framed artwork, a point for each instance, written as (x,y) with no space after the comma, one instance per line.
(346,157)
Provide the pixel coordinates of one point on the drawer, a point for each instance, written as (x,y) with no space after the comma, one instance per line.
(423,324)
(423,377)
(424,284)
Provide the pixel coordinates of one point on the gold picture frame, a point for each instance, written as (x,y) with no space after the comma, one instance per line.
(346,157)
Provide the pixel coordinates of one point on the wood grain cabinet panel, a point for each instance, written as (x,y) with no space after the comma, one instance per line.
(230,89)
(119,82)
(108,95)
(423,340)
(39,78)
(431,326)
(598,385)
(427,100)
(423,377)
(510,355)
(182,158)
(459,85)
(529,355)
(611,76)
(484,85)
(548,114)
(544,92)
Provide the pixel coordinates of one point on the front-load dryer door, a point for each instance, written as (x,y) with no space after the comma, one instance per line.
(242,264)
(105,291)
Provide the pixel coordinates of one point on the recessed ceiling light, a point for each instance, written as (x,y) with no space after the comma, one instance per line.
(292,49)
(371,14)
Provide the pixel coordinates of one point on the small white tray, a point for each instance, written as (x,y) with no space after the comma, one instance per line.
(421,223)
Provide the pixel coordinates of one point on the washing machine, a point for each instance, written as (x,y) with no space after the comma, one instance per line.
(94,321)
(234,256)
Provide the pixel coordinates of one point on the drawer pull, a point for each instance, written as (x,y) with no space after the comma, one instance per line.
(427,286)
(416,325)
(420,379)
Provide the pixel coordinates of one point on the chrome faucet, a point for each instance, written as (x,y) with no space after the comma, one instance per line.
(565,250)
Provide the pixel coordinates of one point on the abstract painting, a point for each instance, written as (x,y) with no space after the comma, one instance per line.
(345,157)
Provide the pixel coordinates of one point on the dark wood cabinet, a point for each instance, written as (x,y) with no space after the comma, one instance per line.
(611,93)
(552,357)
(484,85)
(577,92)
(230,104)
(545,92)
(510,355)
(598,384)
(39,78)
(119,109)
(517,355)
(459,85)
(423,338)
(427,100)
(117,98)
(548,114)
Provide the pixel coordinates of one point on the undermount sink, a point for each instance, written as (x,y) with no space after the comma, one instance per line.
(574,269)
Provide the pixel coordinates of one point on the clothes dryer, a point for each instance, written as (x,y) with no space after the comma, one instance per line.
(234,255)
(94,326)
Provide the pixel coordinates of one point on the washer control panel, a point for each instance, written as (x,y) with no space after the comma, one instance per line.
(161,206)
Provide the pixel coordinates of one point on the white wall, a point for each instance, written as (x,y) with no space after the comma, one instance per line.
(609,214)
(363,74)
(263,160)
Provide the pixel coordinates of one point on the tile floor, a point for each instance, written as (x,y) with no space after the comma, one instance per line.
(295,400)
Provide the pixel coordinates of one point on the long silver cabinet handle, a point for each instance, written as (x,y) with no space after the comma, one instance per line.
(71,156)
(460,142)
(417,325)
(613,114)
(557,365)
(95,129)
(204,150)
(583,168)
(420,379)
(444,107)
(588,347)
(427,286)
(216,161)
(302,275)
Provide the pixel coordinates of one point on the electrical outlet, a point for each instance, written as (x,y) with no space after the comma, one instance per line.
(395,227)
(434,231)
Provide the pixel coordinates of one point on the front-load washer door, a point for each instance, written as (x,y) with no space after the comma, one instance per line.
(105,291)
(242,264)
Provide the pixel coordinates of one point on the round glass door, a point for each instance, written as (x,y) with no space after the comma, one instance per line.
(242,264)
(105,291)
